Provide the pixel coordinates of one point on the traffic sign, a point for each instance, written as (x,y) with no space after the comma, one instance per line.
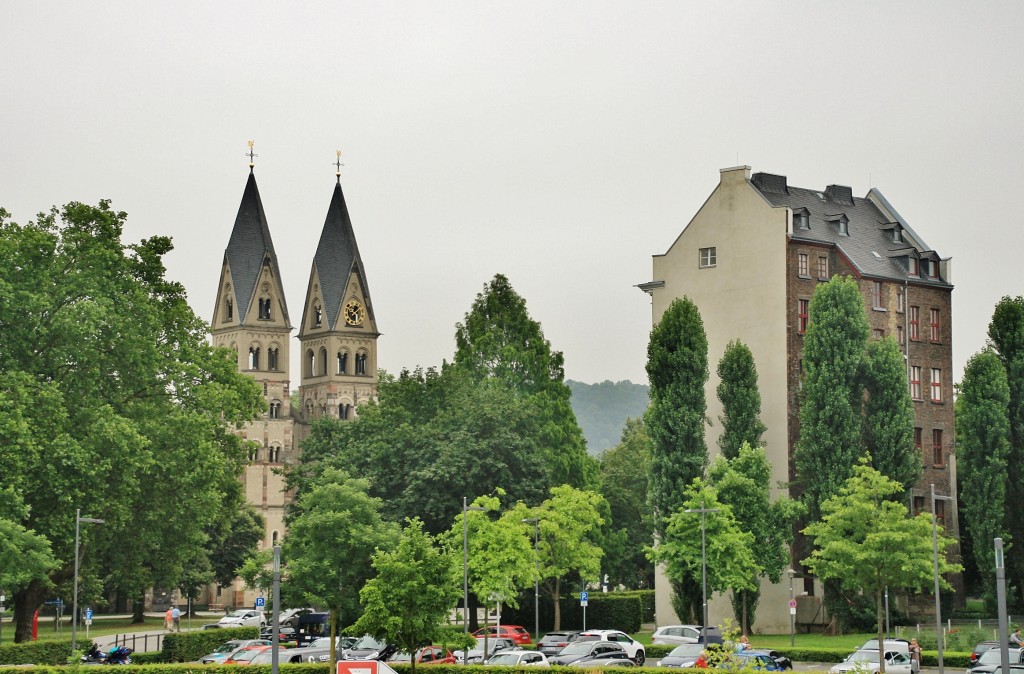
(261,602)
(88,614)
(792,603)
(583,598)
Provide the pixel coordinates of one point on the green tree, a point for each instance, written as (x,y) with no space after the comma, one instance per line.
(866,542)
(330,542)
(677,366)
(982,448)
(431,438)
(498,340)
(744,484)
(888,432)
(729,556)
(832,396)
(113,400)
(416,587)
(24,556)
(569,522)
(624,475)
(232,541)
(741,401)
(1006,332)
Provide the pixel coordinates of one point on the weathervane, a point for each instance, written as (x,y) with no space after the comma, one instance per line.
(251,155)
(338,164)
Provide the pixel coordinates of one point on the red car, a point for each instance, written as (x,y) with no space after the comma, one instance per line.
(516,633)
(245,655)
(428,655)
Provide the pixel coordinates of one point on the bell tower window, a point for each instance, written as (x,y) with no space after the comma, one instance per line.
(254,358)
(264,308)
(229,310)
(343,362)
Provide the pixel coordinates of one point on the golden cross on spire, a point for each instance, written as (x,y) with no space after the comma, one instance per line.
(338,164)
(251,155)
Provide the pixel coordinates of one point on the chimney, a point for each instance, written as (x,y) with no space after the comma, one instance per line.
(840,194)
(769,182)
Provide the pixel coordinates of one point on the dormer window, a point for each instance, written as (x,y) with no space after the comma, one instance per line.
(897,235)
(801,219)
(913,266)
(841,223)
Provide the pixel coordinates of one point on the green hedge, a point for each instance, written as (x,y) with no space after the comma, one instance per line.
(646,603)
(40,652)
(605,611)
(190,646)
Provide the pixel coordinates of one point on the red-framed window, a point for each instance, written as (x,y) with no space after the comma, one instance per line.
(914,267)
(802,307)
(822,266)
(936,337)
(915,323)
(936,385)
(915,382)
(938,457)
(802,267)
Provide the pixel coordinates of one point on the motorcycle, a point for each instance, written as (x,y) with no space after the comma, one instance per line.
(118,655)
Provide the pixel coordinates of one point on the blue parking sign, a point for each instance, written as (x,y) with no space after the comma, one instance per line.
(88,614)
(260,602)
(583,598)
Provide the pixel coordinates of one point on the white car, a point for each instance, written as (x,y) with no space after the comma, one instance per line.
(634,649)
(517,658)
(674,635)
(243,618)
(866,661)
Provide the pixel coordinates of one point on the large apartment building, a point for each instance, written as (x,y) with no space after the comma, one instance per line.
(750,258)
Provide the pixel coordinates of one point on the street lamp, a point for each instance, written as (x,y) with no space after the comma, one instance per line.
(465,567)
(275,621)
(792,610)
(74,602)
(1004,629)
(535,521)
(935,561)
(703,556)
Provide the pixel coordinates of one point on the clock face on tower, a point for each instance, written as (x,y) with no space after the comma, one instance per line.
(354,313)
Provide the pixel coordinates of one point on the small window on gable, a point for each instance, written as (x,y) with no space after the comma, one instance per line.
(229,310)
(843,226)
(264,308)
(801,219)
(318,316)
(897,235)
(708,257)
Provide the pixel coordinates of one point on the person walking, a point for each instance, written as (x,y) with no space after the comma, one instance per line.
(176,618)
(915,656)
(168,621)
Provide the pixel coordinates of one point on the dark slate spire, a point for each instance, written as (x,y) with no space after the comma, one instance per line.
(249,248)
(337,256)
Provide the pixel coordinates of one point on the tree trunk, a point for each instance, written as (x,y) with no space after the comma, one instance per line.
(26,601)
(744,626)
(139,609)
(881,630)
(558,605)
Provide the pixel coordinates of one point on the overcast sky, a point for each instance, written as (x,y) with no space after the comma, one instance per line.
(559,143)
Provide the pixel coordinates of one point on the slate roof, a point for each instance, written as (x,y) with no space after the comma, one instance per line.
(337,255)
(869,245)
(249,248)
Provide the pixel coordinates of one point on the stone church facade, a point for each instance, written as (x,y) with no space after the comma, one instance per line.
(337,338)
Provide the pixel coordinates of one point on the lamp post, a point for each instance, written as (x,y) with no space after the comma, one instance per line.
(792,610)
(74,601)
(935,562)
(465,567)
(1004,630)
(276,619)
(535,521)
(703,557)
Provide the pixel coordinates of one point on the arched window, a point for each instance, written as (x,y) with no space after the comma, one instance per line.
(272,359)
(229,310)
(310,363)
(318,316)
(275,409)
(344,411)
(360,363)
(309,409)
(323,361)
(273,538)
(265,308)
(342,362)
(254,357)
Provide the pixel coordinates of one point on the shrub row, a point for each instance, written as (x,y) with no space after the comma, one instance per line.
(626,611)
(189,646)
(40,652)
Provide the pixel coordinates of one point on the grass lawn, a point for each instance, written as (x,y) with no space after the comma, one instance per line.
(101,627)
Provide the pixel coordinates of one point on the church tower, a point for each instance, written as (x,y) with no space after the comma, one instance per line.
(338,333)
(251,318)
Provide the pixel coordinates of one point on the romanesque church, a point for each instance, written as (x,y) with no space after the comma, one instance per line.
(337,334)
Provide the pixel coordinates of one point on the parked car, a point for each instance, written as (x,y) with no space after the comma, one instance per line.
(310,626)
(991,660)
(368,648)
(222,652)
(783,661)
(673,635)
(286,634)
(981,648)
(756,660)
(604,660)
(243,618)
(428,655)
(244,656)
(290,616)
(579,650)
(517,658)
(552,642)
(477,655)
(898,645)
(516,633)
(294,656)
(866,661)
(683,655)
(633,648)
(340,643)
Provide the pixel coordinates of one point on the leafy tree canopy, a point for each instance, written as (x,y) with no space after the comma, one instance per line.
(889,414)
(741,400)
(630,529)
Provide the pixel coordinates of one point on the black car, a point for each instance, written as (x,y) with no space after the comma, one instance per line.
(553,642)
(683,655)
(368,648)
(578,650)
(783,661)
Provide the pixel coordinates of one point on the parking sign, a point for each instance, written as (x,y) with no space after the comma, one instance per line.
(583,598)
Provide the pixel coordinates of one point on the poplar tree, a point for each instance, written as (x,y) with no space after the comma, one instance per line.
(677,366)
(982,448)
(889,414)
(741,401)
(1006,331)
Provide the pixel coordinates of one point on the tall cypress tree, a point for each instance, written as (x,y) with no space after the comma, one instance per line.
(741,401)
(1007,334)
(983,445)
(889,414)
(677,366)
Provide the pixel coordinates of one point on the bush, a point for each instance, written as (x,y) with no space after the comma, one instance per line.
(40,652)
(605,611)
(189,646)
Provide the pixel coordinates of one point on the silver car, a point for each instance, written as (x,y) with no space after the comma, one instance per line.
(673,635)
